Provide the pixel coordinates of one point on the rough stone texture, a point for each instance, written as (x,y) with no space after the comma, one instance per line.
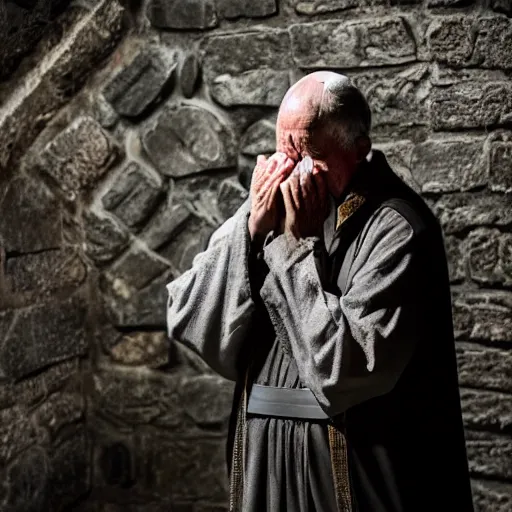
(135,269)
(449,3)
(183,464)
(486,410)
(24,202)
(489,454)
(333,44)
(138,308)
(28,481)
(398,98)
(51,333)
(230,9)
(483,315)
(458,41)
(165,224)
(187,139)
(324,6)
(79,155)
(501,167)
(104,238)
(34,389)
(139,85)
(45,272)
(259,139)
(60,410)
(17,433)
(247,68)
(489,256)
(231,196)
(70,476)
(450,165)
(59,74)
(471,105)
(193,14)
(133,196)
(189,74)
(149,349)
(484,367)
(456,258)
(488,495)
(459,211)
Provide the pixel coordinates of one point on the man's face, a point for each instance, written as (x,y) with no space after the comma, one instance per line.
(297,141)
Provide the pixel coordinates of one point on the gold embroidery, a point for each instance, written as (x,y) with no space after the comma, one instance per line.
(339,463)
(348,207)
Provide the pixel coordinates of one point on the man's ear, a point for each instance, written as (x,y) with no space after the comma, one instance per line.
(363,147)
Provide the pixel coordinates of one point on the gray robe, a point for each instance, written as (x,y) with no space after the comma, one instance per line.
(348,348)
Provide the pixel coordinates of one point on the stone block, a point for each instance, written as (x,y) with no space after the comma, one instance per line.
(187,139)
(484,367)
(189,242)
(189,74)
(59,74)
(182,464)
(398,98)
(483,316)
(42,273)
(460,41)
(249,68)
(18,433)
(486,410)
(58,411)
(325,6)
(259,139)
(334,44)
(450,165)
(134,195)
(28,481)
(104,113)
(138,308)
(489,454)
(79,156)
(449,3)
(135,269)
(500,172)
(231,196)
(51,333)
(471,105)
(456,258)
(169,219)
(207,399)
(137,398)
(231,9)
(33,389)
(457,212)
(104,238)
(490,495)
(142,82)
(24,202)
(184,15)
(262,87)
(489,256)
(70,475)
(149,349)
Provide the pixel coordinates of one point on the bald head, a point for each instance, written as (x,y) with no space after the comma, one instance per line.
(326,117)
(329,101)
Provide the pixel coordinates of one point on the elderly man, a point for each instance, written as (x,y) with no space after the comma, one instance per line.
(326,298)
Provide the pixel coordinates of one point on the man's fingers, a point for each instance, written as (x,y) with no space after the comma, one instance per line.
(321,187)
(287,198)
(308,190)
(294,187)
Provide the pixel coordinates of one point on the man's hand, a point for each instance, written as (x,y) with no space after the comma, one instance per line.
(266,179)
(306,204)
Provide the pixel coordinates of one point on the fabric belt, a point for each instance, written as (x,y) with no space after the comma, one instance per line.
(285,403)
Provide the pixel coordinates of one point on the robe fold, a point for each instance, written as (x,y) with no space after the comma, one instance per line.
(375,348)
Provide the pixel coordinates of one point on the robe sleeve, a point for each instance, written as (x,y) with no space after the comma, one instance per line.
(209,306)
(351,348)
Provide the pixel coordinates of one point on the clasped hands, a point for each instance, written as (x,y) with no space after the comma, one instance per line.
(286,200)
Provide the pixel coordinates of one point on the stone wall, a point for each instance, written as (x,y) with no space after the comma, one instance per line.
(128,132)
